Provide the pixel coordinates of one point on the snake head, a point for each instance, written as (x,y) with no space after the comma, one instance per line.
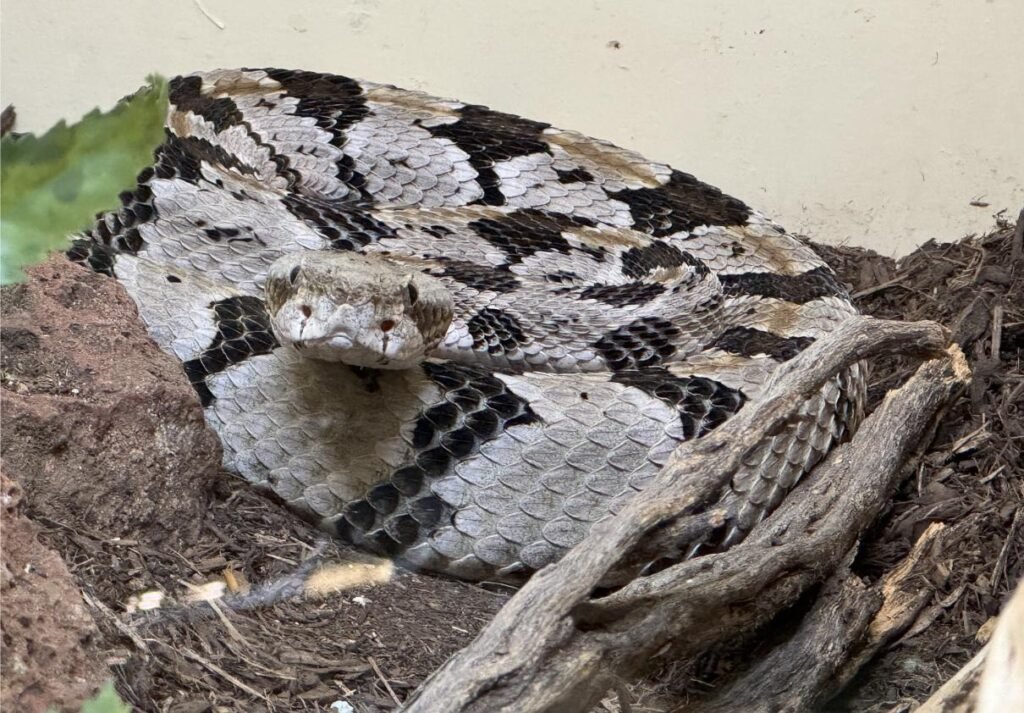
(363,310)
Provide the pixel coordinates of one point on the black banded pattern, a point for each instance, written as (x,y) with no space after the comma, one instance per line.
(243,331)
(527,232)
(799,289)
(186,94)
(634,293)
(703,404)
(477,407)
(680,205)
(496,331)
(99,257)
(478,277)
(489,137)
(346,229)
(334,102)
(644,342)
(641,262)
(748,342)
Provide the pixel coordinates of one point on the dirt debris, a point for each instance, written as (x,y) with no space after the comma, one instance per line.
(50,652)
(371,646)
(973,473)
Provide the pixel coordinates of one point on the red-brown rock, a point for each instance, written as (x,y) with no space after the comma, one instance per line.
(99,427)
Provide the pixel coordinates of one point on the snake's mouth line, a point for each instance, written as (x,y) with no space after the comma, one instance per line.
(336,341)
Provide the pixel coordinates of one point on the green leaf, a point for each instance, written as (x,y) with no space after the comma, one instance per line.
(53,185)
(106,701)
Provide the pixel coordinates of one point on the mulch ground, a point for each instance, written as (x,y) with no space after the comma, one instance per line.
(973,473)
(371,646)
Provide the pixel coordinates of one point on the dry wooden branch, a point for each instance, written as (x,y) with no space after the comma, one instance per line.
(847,625)
(792,676)
(556,646)
(1017,246)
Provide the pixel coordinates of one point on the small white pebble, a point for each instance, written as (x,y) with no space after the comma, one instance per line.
(145,601)
(910,665)
(361,601)
(207,592)
(342,707)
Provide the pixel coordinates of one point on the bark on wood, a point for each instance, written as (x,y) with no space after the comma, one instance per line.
(558,646)
(792,677)
(847,625)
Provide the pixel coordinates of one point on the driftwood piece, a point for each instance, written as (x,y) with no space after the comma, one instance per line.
(992,681)
(557,646)
(793,675)
(847,625)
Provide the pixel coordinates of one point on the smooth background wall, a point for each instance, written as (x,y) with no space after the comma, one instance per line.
(874,122)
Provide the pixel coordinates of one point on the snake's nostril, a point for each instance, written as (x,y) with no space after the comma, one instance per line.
(306,311)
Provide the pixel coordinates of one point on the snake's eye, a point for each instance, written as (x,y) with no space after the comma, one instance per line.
(413,293)
(387,325)
(293,275)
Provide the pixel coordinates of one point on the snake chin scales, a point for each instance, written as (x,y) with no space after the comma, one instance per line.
(459,337)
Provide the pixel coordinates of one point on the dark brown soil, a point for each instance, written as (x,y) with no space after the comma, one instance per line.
(301,654)
(973,472)
(49,652)
(370,646)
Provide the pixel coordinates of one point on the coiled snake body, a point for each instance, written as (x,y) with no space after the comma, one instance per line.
(583,311)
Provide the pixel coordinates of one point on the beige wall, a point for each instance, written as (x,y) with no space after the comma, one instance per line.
(874,122)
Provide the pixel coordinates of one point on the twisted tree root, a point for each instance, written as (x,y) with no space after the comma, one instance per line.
(557,646)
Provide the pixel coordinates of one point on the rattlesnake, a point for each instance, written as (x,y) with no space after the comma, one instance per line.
(595,310)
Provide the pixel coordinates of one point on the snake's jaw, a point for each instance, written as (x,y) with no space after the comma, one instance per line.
(363,310)
(314,327)
(361,335)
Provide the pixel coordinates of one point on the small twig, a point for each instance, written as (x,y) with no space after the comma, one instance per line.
(209,16)
(384,680)
(115,620)
(189,653)
(979,260)
(993,475)
(622,693)
(997,331)
(235,634)
(1017,246)
(894,282)
(1004,551)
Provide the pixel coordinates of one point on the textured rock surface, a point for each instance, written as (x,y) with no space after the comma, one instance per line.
(49,654)
(99,426)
